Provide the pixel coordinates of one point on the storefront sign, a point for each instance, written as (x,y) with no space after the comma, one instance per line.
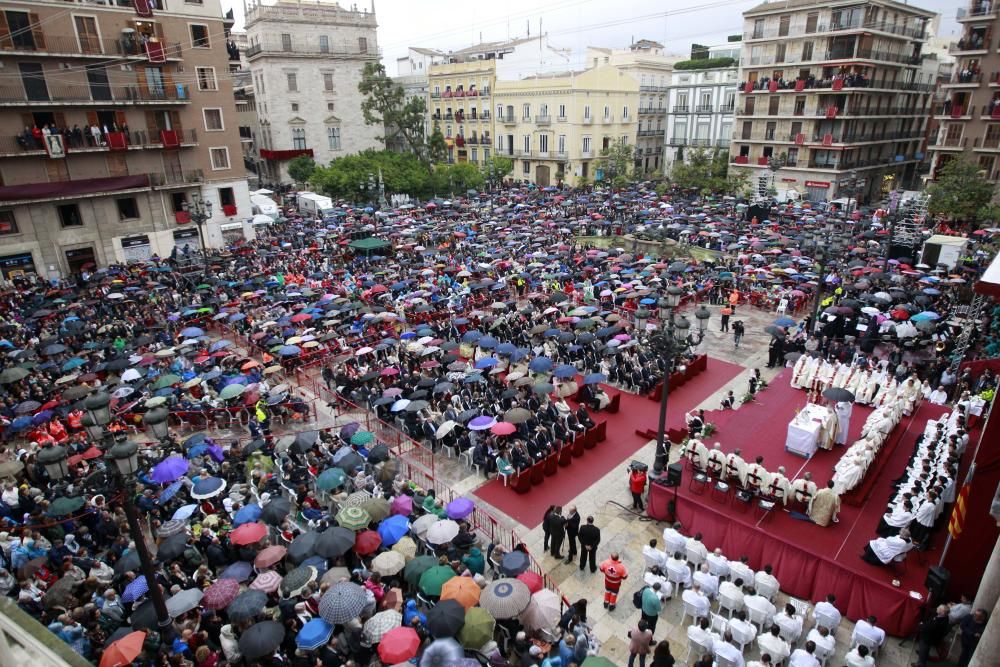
(817,184)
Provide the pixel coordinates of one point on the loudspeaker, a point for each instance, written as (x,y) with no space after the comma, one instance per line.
(937,583)
(674,472)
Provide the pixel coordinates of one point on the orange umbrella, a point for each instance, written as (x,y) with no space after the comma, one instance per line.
(124,651)
(463,590)
(250,364)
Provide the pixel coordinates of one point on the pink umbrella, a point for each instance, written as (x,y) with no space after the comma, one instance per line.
(267,581)
(503,428)
(402,505)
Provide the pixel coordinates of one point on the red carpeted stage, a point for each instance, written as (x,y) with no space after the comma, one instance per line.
(622,442)
(811,561)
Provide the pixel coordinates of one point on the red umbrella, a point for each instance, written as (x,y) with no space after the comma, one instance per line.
(220,594)
(398,645)
(248,533)
(900,314)
(122,652)
(367,542)
(301,317)
(270,556)
(503,428)
(532,580)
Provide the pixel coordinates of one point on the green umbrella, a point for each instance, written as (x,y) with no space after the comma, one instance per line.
(416,567)
(166,381)
(13,375)
(231,391)
(331,478)
(361,438)
(64,506)
(204,310)
(377,508)
(478,628)
(597,661)
(433,579)
(353,518)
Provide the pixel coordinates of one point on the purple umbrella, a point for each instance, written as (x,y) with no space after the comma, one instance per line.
(460,508)
(42,417)
(169,469)
(402,505)
(481,423)
(348,430)
(216,453)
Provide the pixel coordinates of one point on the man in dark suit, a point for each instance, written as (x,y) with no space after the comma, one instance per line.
(572,529)
(557,531)
(590,538)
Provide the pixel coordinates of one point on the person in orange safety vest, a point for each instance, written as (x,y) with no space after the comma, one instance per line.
(614,573)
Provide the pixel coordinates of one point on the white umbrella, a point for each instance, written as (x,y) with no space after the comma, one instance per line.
(542,612)
(131,375)
(442,532)
(422,524)
(389,563)
(444,429)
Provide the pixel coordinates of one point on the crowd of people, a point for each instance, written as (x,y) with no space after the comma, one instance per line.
(482,326)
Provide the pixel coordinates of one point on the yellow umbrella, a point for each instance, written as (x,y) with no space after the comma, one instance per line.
(407,547)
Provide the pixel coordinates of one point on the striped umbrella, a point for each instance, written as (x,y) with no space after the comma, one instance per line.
(353,518)
(267,581)
(172,527)
(505,598)
(342,602)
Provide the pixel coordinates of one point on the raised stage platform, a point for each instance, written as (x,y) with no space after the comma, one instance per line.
(811,561)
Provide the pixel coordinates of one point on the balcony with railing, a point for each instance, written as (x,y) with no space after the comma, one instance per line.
(177,178)
(975,41)
(953,111)
(727,108)
(990,111)
(964,78)
(38,43)
(49,94)
(701,142)
(977,10)
(705,108)
(681,108)
(25,144)
(650,111)
(950,143)
(916,33)
(650,133)
(723,143)
(853,84)
(309,49)
(587,120)
(508,119)
(678,141)
(607,120)
(543,120)
(653,89)
(586,155)
(988,143)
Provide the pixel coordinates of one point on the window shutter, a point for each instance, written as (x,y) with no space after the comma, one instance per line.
(91,118)
(5,40)
(36,31)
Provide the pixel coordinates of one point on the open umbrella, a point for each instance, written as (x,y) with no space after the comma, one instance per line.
(330,479)
(838,394)
(276,511)
(303,546)
(445,619)
(334,542)
(422,523)
(172,547)
(247,514)
(543,611)
(505,598)
(434,578)
(532,580)
(267,581)
(220,594)
(65,506)
(136,589)
(460,508)
(246,605)
(296,581)
(124,651)
(342,602)
(389,563)
(353,518)
(393,529)
(248,533)
(207,488)
(514,563)
(477,630)
(269,556)
(415,569)
(463,590)
(169,469)
(240,571)
(314,634)
(367,542)
(261,639)
(380,624)
(444,652)
(398,645)
(442,532)
(377,508)
(184,601)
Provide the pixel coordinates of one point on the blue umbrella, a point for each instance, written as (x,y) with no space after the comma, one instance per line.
(220,345)
(931,291)
(75,362)
(540,365)
(565,371)
(238,317)
(784,322)
(471,336)
(198,450)
(247,514)
(488,342)
(207,488)
(595,378)
(240,571)
(135,590)
(21,422)
(289,350)
(314,634)
(317,562)
(184,513)
(393,528)
(487,362)
(506,348)
(192,332)
(169,469)
(169,492)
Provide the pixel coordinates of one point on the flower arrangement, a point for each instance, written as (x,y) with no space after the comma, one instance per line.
(708,429)
(747,397)
(762,385)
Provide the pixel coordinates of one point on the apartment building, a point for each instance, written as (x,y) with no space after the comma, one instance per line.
(968,116)
(830,103)
(306,60)
(114,117)
(555,126)
(459,97)
(700,109)
(647,62)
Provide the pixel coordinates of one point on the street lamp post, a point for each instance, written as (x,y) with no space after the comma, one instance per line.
(124,457)
(672,339)
(822,245)
(200,211)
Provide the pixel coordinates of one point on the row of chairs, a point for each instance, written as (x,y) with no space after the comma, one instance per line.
(521,482)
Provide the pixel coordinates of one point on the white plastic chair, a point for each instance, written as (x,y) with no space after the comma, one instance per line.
(719,623)
(694,557)
(697,650)
(732,605)
(741,639)
(826,621)
(722,661)
(759,618)
(782,307)
(768,590)
(822,654)
(689,610)
(864,641)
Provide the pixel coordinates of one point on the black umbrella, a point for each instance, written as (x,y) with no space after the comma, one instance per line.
(445,619)
(261,639)
(303,546)
(350,462)
(275,511)
(334,542)
(775,331)
(172,547)
(127,563)
(247,604)
(378,453)
(838,394)
(305,440)
(144,616)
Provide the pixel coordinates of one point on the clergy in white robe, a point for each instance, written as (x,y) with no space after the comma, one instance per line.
(843,410)
(778,487)
(716,461)
(736,468)
(757,477)
(696,452)
(804,489)
(799,371)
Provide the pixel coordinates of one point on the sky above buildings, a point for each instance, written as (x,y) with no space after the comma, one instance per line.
(573,24)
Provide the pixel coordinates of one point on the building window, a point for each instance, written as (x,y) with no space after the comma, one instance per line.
(586,111)
(543,110)
(333,138)
(623,140)
(586,144)
(8,224)
(206,78)
(324,44)
(607,112)
(69,215)
(525,111)
(362,45)
(486,154)
(625,113)
(293,82)
(199,36)
(526,167)
(213,120)
(286,41)
(562,110)
(329,106)
(807,51)
(220,157)
(298,138)
(543,143)
(328,81)
(527,143)
(226,197)
(475,155)
(561,143)
(128,209)
(295,106)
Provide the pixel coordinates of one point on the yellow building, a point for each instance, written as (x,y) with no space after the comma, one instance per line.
(554,127)
(458,102)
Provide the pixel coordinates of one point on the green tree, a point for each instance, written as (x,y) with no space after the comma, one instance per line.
(616,162)
(386,105)
(960,192)
(437,149)
(707,172)
(345,176)
(496,169)
(301,169)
